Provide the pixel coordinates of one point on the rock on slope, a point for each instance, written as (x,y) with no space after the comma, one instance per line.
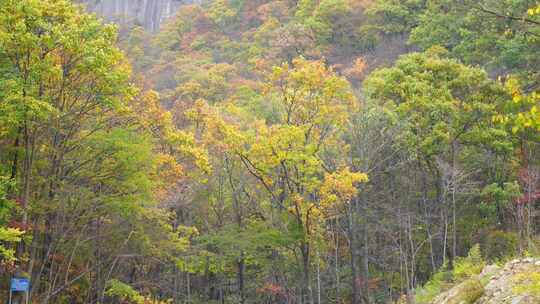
(494,285)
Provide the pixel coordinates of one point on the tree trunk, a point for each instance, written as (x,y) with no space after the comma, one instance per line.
(308,292)
(352,248)
(336,261)
(241,278)
(318,279)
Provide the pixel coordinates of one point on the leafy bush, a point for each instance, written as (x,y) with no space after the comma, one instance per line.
(124,292)
(464,269)
(469,291)
(7,235)
(437,284)
(469,266)
(497,245)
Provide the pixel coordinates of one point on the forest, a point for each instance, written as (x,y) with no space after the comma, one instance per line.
(267,151)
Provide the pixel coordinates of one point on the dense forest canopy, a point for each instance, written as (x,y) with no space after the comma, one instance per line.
(267,151)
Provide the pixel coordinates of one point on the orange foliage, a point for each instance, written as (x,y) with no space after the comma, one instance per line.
(358,70)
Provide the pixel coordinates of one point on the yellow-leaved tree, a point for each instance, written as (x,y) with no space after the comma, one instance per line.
(291,156)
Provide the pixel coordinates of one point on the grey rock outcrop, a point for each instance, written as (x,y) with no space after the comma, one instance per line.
(495,285)
(147,13)
(500,288)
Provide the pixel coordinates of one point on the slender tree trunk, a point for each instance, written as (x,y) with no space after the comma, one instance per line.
(454,185)
(454,234)
(444,233)
(307,280)
(366,263)
(529,208)
(98,261)
(519,220)
(354,271)
(318,279)
(241,278)
(336,261)
(28,161)
(427,218)
(412,254)
(15,163)
(175,284)
(188,288)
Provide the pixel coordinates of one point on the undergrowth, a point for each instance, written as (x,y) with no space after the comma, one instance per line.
(464,268)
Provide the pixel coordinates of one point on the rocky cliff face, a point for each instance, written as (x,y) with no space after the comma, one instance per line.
(147,13)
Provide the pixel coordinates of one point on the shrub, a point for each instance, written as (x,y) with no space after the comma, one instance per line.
(437,284)
(124,292)
(497,245)
(468,292)
(468,266)
(465,268)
